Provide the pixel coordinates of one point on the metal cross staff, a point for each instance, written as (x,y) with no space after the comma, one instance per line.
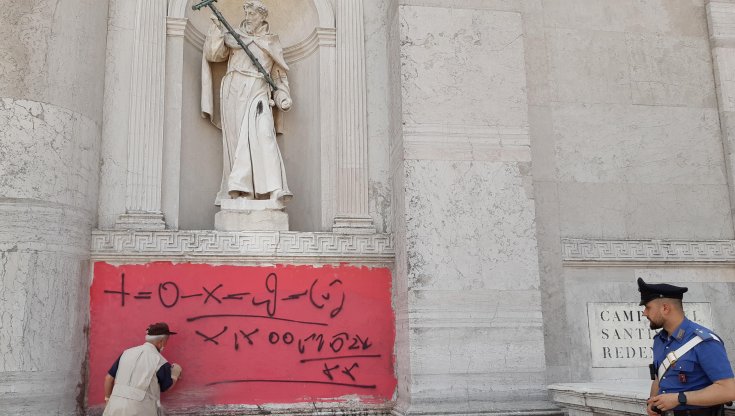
(209,3)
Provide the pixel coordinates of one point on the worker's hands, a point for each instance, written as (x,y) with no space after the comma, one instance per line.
(175,371)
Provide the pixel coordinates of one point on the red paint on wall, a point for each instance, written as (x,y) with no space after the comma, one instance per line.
(250,335)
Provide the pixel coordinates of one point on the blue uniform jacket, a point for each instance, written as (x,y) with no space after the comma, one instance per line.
(704,364)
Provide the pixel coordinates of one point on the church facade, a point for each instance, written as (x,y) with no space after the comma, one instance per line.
(477,185)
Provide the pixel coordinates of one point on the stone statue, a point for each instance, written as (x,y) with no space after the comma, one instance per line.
(253,166)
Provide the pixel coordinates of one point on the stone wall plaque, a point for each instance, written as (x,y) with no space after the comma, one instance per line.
(620,335)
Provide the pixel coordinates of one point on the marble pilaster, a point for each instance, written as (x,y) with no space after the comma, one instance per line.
(146,122)
(352,162)
(465,219)
(171,168)
(721,22)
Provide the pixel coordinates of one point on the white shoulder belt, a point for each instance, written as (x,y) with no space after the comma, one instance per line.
(674,356)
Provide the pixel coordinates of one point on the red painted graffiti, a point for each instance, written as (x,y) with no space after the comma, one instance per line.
(251,335)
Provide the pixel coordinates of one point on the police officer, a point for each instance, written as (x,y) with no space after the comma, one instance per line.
(691,373)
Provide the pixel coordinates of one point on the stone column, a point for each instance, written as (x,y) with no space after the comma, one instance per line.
(52,59)
(175,27)
(469,327)
(721,21)
(145,137)
(328,107)
(352,160)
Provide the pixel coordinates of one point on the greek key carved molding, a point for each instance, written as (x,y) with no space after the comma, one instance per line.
(242,247)
(639,251)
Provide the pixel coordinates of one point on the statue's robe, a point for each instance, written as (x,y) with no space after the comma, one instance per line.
(252,162)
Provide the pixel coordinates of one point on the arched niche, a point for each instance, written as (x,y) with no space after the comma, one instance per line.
(307,33)
(324,10)
(294,21)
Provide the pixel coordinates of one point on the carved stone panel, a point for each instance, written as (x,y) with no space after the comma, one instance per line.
(621,337)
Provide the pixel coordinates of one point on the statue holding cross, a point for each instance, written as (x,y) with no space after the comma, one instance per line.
(252,92)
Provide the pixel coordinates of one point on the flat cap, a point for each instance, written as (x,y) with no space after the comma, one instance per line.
(650,292)
(159,328)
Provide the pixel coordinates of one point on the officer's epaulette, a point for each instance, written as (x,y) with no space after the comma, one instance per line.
(706,334)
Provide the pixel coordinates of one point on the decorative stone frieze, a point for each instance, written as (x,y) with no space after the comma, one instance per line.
(590,252)
(242,248)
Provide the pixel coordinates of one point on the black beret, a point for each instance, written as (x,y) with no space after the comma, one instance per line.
(650,292)
(160,328)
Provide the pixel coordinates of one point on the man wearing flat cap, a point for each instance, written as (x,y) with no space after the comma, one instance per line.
(691,373)
(134,384)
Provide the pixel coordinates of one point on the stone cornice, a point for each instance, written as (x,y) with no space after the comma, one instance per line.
(613,398)
(466,142)
(266,247)
(601,252)
(294,53)
(304,49)
(194,36)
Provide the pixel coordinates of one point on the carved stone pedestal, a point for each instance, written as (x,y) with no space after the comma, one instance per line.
(251,215)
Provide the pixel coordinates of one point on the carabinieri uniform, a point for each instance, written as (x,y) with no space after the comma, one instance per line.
(700,367)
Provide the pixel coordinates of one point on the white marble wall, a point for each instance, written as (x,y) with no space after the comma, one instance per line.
(398,208)
(495,129)
(720,21)
(625,139)
(50,120)
(710,285)
(467,301)
(379,93)
(632,123)
(626,145)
